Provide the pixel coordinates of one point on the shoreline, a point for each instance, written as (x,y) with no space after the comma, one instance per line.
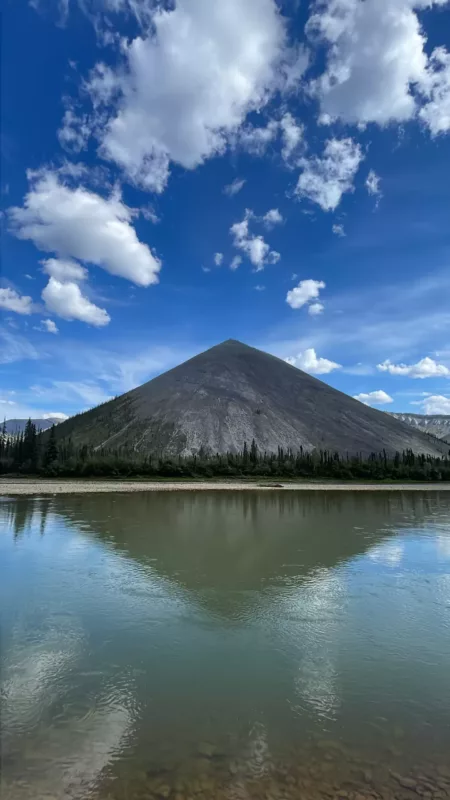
(53,487)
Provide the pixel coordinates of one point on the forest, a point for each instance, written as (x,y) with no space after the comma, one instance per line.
(32,453)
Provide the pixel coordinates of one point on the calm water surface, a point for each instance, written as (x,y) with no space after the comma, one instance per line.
(228,645)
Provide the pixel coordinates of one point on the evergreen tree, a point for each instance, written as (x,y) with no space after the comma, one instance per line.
(245,454)
(30,446)
(51,451)
(3,439)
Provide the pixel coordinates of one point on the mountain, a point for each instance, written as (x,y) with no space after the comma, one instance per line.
(16,426)
(234,393)
(436,424)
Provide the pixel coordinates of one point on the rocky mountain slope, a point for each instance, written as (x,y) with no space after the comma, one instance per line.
(436,424)
(233,393)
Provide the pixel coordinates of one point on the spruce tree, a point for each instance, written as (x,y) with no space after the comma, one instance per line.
(51,451)
(30,445)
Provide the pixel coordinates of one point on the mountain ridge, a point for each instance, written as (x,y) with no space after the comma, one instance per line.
(16,426)
(434,424)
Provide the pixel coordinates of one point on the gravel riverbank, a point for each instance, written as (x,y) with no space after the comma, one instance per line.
(38,487)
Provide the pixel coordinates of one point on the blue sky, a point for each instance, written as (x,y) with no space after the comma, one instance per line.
(176,174)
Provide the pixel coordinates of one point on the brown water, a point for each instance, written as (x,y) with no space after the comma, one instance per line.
(229,645)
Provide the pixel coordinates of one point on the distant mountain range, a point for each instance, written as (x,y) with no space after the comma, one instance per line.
(16,426)
(233,394)
(436,424)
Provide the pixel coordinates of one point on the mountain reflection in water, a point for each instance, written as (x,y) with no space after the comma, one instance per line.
(194,644)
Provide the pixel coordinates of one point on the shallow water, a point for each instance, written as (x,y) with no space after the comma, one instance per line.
(234,645)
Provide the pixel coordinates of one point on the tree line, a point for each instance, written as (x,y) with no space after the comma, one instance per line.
(32,453)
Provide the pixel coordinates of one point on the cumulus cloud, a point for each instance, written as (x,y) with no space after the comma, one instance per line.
(255,248)
(236,262)
(315,309)
(272,217)
(48,326)
(292,134)
(376,398)
(310,362)
(77,223)
(375,58)
(188,86)
(10,300)
(218,258)
(234,187)
(66,301)
(64,269)
(436,88)
(324,180)
(425,368)
(304,293)
(436,404)
(55,415)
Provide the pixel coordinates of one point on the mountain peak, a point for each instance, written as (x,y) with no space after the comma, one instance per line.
(234,393)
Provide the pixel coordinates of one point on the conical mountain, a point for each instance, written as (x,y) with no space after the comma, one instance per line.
(234,393)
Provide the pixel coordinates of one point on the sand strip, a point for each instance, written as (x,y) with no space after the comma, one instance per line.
(39,487)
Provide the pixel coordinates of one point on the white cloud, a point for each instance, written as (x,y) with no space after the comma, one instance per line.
(292,136)
(77,223)
(310,362)
(259,288)
(10,300)
(338,230)
(236,262)
(187,87)
(376,398)
(256,140)
(373,183)
(272,217)
(218,258)
(302,294)
(149,213)
(15,348)
(436,88)
(64,269)
(375,58)
(315,309)
(425,368)
(436,404)
(324,180)
(66,301)
(234,187)
(47,325)
(50,326)
(256,249)
(55,415)
(66,391)
(75,131)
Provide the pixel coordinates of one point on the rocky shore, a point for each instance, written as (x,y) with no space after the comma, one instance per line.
(329,770)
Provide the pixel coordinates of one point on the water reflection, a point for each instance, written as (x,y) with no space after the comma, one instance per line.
(230,644)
